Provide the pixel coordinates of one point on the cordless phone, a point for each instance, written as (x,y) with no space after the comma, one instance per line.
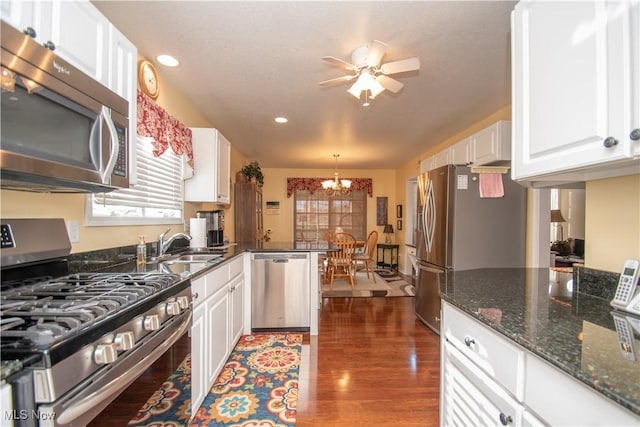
(627,296)
(625,336)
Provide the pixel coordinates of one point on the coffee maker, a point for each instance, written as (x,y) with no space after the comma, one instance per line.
(215,227)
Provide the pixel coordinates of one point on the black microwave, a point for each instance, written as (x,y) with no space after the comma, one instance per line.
(61,130)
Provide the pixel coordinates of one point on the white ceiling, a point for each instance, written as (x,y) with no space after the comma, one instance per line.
(244,63)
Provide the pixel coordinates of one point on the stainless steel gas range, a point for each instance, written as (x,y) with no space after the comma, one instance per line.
(80,339)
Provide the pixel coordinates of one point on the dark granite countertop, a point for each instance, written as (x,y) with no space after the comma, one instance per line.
(542,311)
(122,259)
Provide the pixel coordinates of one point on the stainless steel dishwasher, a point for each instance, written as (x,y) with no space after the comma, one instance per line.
(280,291)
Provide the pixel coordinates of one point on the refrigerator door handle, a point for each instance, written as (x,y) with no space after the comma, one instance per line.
(430,216)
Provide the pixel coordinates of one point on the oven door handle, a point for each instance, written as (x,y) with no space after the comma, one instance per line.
(118,384)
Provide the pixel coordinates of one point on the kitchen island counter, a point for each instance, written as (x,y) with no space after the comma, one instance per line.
(542,311)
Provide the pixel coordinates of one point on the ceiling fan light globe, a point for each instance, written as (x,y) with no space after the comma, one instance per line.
(355,89)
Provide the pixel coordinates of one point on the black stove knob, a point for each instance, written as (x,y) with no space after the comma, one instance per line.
(151,322)
(124,340)
(105,354)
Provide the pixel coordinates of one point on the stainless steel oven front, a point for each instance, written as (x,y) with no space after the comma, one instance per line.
(62,131)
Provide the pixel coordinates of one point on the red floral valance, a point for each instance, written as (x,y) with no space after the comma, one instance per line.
(314,184)
(166,130)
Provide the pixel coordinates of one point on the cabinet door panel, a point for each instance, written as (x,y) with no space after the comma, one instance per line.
(80,33)
(199,386)
(569,81)
(236,288)
(217,333)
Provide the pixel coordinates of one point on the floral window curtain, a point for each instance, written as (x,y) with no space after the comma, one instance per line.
(166,130)
(315,184)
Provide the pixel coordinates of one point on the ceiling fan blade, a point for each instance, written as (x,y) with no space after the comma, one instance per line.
(375,53)
(389,84)
(340,62)
(337,80)
(409,64)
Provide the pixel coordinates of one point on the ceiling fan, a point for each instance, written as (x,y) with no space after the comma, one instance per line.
(371,76)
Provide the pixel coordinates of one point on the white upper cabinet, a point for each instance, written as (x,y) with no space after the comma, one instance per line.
(123,56)
(75,30)
(576,85)
(461,153)
(492,144)
(211,181)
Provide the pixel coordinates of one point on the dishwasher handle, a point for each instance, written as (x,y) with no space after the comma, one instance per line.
(280,257)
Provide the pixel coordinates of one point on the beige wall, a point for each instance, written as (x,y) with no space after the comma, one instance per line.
(612,222)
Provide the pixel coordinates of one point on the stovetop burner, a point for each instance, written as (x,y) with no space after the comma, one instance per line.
(41,314)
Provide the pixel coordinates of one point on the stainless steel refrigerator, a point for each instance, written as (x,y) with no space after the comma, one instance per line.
(459,230)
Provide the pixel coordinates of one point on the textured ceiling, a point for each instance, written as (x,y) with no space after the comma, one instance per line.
(244,63)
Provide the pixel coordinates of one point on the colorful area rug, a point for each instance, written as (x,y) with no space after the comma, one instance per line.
(388,284)
(258,386)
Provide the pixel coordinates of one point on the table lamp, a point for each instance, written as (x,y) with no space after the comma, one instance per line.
(388,229)
(557,218)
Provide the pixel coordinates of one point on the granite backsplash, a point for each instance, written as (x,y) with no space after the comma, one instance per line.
(597,283)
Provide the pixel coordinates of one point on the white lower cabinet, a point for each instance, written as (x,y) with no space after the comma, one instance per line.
(470,397)
(476,390)
(218,301)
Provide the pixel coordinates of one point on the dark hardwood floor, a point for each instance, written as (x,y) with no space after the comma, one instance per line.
(372,364)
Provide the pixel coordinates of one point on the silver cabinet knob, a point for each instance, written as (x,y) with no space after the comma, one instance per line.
(151,323)
(610,142)
(183,302)
(105,353)
(635,135)
(468,341)
(173,308)
(124,340)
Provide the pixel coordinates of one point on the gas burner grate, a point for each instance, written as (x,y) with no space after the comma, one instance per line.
(45,312)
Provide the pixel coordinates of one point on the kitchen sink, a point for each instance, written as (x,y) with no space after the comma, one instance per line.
(189,258)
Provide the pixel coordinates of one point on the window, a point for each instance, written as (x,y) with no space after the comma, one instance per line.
(317,213)
(155,198)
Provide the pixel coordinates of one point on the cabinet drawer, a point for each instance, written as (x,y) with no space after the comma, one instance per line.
(235,266)
(499,359)
(580,404)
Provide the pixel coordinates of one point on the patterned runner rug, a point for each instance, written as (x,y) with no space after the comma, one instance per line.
(258,386)
(388,284)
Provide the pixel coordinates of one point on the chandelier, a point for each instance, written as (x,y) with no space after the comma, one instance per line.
(335,185)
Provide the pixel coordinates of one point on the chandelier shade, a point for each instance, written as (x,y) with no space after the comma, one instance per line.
(335,185)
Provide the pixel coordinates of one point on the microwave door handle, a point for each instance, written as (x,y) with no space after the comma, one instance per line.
(115,148)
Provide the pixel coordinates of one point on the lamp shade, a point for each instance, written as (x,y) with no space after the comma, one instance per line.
(388,229)
(556,216)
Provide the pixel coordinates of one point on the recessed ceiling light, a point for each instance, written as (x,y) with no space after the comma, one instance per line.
(281,120)
(168,60)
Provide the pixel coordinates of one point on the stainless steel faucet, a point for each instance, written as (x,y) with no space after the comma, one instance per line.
(164,245)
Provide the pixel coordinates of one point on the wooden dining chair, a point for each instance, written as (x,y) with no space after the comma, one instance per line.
(340,263)
(366,257)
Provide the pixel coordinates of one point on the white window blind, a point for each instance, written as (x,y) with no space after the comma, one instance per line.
(155,198)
